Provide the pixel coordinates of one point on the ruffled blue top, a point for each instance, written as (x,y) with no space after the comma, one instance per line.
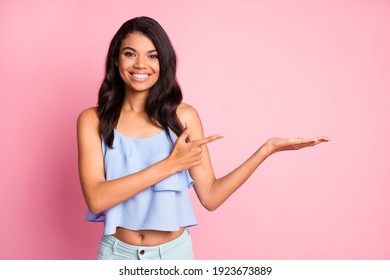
(165,206)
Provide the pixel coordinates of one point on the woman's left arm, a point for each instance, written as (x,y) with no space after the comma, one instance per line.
(212,192)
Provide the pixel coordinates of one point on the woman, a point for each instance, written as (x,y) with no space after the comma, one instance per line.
(141,150)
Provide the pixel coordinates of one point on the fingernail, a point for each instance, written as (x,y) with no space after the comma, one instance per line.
(186,125)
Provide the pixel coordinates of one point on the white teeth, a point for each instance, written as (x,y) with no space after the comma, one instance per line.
(141,76)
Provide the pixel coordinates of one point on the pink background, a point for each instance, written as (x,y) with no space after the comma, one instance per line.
(253,69)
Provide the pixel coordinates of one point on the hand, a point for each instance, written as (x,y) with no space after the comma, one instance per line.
(189,154)
(275,144)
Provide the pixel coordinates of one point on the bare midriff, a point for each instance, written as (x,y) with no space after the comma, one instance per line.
(146,237)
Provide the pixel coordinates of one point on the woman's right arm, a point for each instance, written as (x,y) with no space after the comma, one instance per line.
(100,194)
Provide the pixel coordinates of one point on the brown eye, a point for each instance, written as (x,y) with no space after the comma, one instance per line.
(130,54)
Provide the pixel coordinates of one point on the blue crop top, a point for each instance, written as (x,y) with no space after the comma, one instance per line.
(165,206)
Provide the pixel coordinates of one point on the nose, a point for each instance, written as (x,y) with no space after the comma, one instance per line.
(140,63)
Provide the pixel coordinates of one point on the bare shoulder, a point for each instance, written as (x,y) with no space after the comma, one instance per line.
(89,115)
(88,121)
(187,113)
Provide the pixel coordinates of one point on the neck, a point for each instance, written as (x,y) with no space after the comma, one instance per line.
(135,101)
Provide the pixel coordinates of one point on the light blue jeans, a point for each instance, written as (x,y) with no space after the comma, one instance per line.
(111,248)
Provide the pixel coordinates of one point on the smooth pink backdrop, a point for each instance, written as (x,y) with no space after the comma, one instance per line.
(253,69)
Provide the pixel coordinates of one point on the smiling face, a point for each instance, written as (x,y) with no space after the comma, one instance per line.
(138,63)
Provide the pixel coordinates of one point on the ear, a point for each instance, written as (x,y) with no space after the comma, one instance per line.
(116,63)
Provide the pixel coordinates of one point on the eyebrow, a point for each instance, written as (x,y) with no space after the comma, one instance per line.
(134,50)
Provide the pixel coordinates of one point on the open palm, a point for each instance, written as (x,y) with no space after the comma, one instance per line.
(276,144)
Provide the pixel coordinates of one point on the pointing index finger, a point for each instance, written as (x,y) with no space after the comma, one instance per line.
(209,139)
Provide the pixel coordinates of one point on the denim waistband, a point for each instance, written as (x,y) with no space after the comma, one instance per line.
(142,252)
